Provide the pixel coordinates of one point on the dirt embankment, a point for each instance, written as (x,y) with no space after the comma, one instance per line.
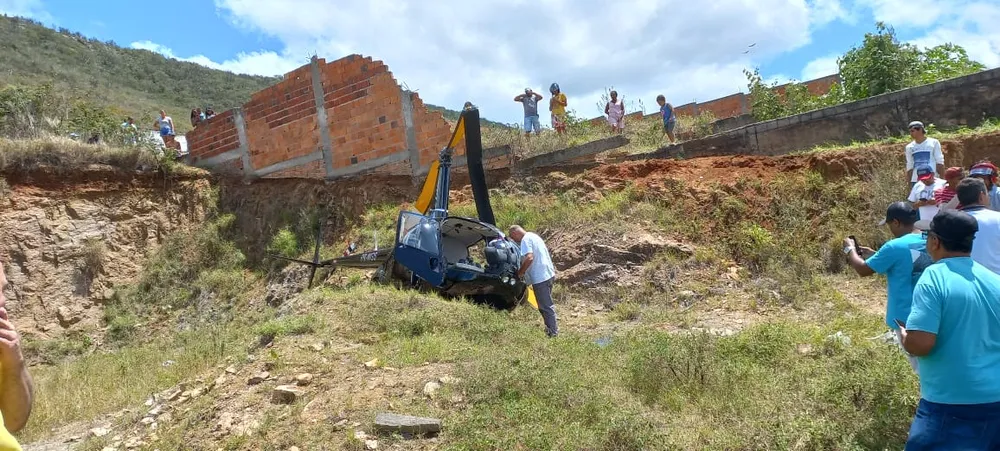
(68,239)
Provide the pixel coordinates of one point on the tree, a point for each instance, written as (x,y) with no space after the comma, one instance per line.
(882,64)
(765,103)
(943,62)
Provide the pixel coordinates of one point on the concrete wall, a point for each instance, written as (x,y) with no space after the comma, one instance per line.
(324,120)
(960,101)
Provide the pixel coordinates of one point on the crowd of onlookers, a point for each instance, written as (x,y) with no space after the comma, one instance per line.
(614,112)
(943,275)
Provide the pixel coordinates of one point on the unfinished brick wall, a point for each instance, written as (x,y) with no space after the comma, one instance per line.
(324,120)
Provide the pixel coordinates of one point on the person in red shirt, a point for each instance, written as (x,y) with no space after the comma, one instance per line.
(945,196)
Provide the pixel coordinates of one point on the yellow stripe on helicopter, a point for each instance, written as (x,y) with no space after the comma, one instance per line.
(430,184)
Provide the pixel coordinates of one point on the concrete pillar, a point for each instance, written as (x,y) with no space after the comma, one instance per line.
(325,142)
(241,134)
(412,148)
(743,104)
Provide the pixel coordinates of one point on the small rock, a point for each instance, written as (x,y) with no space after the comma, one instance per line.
(99,432)
(317,347)
(67,317)
(173,395)
(182,400)
(197,392)
(155,411)
(259,378)
(147,421)
(340,425)
(371,444)
(371,363)
(74,439)
(149,402)
(285,394)
(805,349)
(231,369)
(447,380)
(599,308)
(431,388)
(168,363)
(303,379)
(405,424)
(294,448)
(219,381)
(360,435)
(133,443)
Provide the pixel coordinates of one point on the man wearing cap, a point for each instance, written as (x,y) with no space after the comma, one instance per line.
(530,101)
(922,193)
(922,151)
(954,330)
(986,247)
(902,260)
(945,197)
(988,173)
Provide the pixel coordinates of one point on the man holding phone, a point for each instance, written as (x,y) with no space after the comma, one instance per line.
(902,260)
(954,330)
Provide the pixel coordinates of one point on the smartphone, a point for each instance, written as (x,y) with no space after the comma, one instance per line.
(900,323)
(855,241)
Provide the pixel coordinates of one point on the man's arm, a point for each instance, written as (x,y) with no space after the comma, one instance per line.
(16,393)
(855,261)
(919,333)
(939,158)
(519,97)
(525,264)
(538,96)
(917,342)
(909,164)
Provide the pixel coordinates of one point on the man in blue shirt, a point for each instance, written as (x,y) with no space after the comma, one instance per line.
(669,119)
(902,260)
(954,330)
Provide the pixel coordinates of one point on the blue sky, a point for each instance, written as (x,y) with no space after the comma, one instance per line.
(488,54)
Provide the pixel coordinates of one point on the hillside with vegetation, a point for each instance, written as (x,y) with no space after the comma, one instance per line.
(129,82)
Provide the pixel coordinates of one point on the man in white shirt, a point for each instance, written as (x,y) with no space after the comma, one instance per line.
(537,270)
(922,194)
(972,196)
(922,151)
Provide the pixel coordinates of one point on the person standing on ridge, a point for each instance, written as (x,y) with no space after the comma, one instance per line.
(987,172)
(557,105)
(922,151)
(537,270)
(530,101)
(165,124)
(902,260)
(615,109)
(669,120)
(953,328)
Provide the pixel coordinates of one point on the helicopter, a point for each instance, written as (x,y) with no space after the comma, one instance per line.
(434,251)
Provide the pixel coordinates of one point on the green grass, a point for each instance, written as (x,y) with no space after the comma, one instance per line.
(64,156)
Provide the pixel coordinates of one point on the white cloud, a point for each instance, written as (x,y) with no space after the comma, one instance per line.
(490,52)
(823,12)
(253,63)
(820,67)
(26,8)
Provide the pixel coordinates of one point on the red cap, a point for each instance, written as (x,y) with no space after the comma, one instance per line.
(952,173)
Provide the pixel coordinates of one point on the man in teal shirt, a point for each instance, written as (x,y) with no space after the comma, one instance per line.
(902,260)
(954,330)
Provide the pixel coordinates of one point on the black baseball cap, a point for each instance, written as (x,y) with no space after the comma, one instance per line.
(901,211)
(954,226)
